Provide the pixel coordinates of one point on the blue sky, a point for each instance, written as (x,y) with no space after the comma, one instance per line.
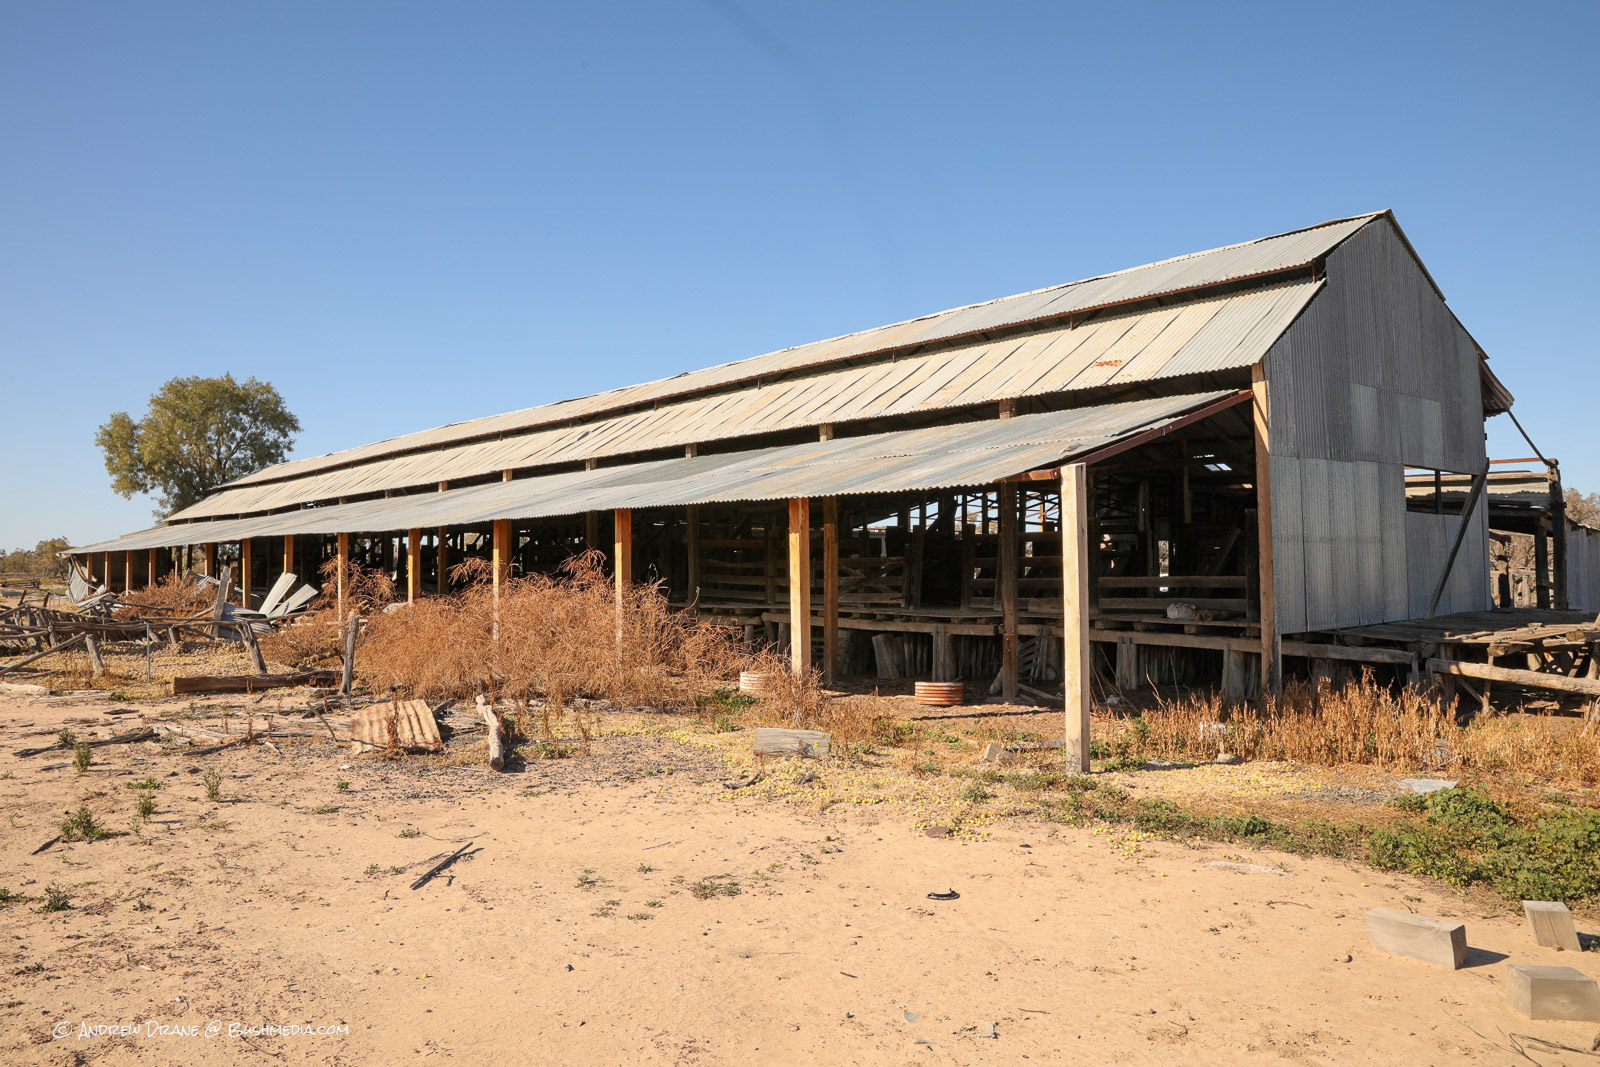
(405,214)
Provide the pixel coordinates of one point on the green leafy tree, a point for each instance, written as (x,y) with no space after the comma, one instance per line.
(197,434)
(41,561)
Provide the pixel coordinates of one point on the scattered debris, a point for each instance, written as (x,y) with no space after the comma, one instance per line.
(771,741)
(442,864)
(1257,867)
(1427,785)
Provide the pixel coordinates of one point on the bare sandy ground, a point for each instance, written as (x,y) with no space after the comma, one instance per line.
(572,935)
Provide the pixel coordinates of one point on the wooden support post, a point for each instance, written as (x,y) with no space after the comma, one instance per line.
(1271,644)
(944,659)
(211,559)
(127,571)
(442,548)
(622,564)
(1006,579)
(1541,565)
(288,554)
(88,569)
(500,565)
(1558,540)
(246,565)
(692,548)
(413,565)
(344,571)
(830,587)
(1075,661)
(150,568)
(506,476)
(800,585)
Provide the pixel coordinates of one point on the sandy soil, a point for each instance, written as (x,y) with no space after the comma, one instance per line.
(572,933)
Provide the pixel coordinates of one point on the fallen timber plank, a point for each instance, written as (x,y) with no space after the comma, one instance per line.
(124,739)
(250,683)
(1588,687)
(60,646)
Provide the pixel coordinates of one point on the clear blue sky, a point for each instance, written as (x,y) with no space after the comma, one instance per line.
(404,214)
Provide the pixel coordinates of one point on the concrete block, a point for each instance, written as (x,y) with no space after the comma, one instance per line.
(1553,993)
(1421,937)
(1551,924)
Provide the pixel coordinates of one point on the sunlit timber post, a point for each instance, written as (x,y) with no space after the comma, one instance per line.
(1075,662)
(344,572)
(800,585)
(1271,644)
(622,566)
(210,550)
(288,553)
(500,565)
(413,565)
(245,566)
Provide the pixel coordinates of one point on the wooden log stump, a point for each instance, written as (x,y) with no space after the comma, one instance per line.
(497,752)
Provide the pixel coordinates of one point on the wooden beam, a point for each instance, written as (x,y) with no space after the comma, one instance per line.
(1588,687)
(211,560)
(1007,580)
(800,585)
(1478,482)
(288,554)
(830,588)
(442,579)
(150,568)
(622,563)
(246,565)
(1271,651)
(344,572)
(413,565)
(1075,661)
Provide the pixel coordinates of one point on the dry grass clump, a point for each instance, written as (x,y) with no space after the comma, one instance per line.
(173,594)
(1361,723)
(547,642)
(312,640)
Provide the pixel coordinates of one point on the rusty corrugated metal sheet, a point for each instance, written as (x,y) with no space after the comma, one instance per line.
(1267,255)
(941,457)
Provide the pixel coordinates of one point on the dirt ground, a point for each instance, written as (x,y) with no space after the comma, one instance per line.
(627,908)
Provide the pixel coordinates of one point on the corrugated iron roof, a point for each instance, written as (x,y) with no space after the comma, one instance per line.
(1265,256)
(1208,334)
(941,457)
